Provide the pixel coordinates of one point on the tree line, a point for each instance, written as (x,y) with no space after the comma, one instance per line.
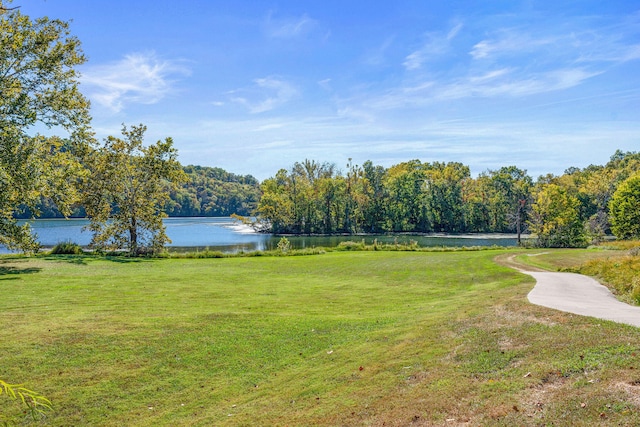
(207,191)
(570,210)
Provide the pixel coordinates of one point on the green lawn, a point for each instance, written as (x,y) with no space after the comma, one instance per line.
(343,338)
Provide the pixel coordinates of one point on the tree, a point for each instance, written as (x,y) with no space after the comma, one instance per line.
(275,209)
(39,86)
(510,198)
(128,186)
(555,218)
(445,201)
(624,209)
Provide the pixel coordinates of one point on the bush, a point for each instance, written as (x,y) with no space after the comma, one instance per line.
(351,246)
(284,245)
(67,248)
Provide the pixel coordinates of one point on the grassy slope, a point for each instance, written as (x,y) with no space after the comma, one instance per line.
(361,338)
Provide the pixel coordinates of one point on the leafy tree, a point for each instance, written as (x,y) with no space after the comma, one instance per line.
(475,197)
(445,202)
(276,208)
(555,218)
(39,86)
(510,199)
(374,210)
(405,198)
(624,209)
(127,189)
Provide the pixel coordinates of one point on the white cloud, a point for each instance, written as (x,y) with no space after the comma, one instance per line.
(325,84)
(436,44)
(512,42)
(266,94)
(140,78)
(376,56)
(286,28)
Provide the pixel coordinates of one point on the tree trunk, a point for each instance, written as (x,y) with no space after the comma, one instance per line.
(133,237)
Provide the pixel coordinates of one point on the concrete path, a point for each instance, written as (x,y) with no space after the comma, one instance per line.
(578,294)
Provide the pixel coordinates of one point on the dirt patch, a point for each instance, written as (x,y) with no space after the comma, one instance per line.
(509,260)
(515,319)
(631,389)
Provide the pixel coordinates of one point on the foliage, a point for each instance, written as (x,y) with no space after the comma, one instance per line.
(207,191)
(624,209)
(563,211)
(555,220)
(67,248)
(213,192)
(316,198)
(36,404)
(126,191)
(284,245)
(39,86)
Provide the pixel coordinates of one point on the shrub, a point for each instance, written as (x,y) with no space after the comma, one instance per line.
(351,246)
(284,244)
(67,248)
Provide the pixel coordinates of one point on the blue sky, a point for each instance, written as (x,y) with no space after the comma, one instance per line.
(254,86)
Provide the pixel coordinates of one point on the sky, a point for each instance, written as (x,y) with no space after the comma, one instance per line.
(255,86)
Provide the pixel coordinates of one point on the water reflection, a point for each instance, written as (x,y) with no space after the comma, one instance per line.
(228,236)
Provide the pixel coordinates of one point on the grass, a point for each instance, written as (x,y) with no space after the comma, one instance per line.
(343,338)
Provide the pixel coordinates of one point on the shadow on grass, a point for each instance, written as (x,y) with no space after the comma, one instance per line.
(71,259)
(125,259)
(83,259)
(12,270)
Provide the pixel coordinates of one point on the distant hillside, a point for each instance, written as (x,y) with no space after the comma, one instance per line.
(208,192)
(214,192)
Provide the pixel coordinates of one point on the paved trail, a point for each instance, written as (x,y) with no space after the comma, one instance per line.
(578,294)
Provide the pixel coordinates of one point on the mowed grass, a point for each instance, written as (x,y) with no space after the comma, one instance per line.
(349,338)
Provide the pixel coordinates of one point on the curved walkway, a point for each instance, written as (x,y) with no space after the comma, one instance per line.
(577,294)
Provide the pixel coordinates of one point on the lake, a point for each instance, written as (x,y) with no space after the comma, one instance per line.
(227,235)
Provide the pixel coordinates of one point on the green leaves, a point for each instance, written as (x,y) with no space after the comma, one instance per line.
(624,209)
(38,83)
(36,404)
(126,190)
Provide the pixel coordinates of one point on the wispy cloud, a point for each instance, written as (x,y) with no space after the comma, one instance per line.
(377,55)
(292,27)
(140,78)
(266,94)
(436,43)
(507,42)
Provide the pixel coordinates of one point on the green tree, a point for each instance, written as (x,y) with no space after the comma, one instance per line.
(275,208)
(444,193)
(128,186)
(510,199)
(405,202)
(373,193)
(556,218)
(624,209)
(39,86)
(475,197)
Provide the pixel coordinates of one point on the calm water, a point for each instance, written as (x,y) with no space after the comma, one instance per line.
(226,235)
